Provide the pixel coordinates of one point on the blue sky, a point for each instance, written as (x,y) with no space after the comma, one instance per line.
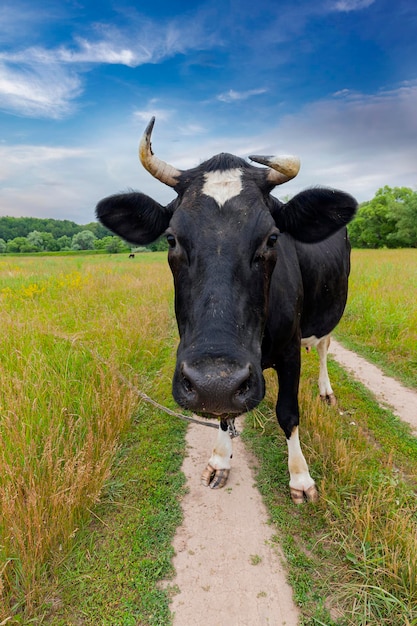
(333,81)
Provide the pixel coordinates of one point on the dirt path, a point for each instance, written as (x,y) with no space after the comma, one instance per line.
(228,571)
(388,392)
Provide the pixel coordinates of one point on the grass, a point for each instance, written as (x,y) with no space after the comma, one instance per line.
(113,573)
(90,481)
(68,326)
(380,321)
(351,557)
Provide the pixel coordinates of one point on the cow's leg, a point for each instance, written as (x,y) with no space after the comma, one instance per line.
(326,391)
(218,468)
(302,485)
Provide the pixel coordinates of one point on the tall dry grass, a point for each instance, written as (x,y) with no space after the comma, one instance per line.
(69,326)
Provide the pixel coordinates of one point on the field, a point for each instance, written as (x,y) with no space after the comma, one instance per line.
(381,316)
(89,476)
(70,326)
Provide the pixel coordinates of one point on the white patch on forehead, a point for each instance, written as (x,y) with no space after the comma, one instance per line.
(222,186)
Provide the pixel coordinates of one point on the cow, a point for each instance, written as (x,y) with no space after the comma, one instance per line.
(255,279)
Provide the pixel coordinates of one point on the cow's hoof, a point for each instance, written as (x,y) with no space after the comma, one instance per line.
(329,399)
(215,479)
(208,475)
(298,496)
(220,479)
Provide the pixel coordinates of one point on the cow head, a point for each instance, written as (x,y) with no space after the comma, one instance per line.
(223,231)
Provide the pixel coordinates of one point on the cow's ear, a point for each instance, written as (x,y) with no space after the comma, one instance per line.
(135,217)
(314,214)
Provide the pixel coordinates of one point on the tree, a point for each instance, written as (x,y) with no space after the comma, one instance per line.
(388,220)
(373,223)
(406,228)
(98,229)
(35,239)
(2,246)
(160,245)
(64,242)
(83,240)
(16,244)
(27,246)
(12,227)
(49,242)
(110,244)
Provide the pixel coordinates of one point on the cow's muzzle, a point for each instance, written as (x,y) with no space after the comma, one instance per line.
(218,388)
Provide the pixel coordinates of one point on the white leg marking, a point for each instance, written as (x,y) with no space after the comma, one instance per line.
(222,451)
(300,478)
(322,345)
(218,468)
(324,382)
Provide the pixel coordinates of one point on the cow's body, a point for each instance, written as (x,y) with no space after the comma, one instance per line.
(318,275)
(254,280)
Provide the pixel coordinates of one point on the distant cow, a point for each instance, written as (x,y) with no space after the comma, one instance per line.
(131,255)
(254,280)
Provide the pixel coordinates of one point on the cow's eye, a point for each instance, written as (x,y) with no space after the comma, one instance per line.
(171,240)
(272,240)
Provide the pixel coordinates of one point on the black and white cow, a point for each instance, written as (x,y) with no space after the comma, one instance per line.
(255,279)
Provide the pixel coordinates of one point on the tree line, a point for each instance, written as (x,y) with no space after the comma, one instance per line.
(32,234)
(389,220)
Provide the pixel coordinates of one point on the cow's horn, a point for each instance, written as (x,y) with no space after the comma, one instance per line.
(159,169)
(283,168)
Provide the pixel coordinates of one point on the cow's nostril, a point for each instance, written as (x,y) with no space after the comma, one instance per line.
(244,388)
(187,385)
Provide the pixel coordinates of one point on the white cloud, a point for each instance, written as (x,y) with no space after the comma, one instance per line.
(358,142)
(234,96)
(39,180)
(192,130)
(45,82)
(144,115)
(153,109)
(38,91)
(19,160)
(67,183)
(101,52)
(351,5)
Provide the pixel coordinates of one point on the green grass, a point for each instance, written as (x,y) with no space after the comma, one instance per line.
(380,320)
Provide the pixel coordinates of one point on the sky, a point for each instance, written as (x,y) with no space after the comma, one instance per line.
(331,81)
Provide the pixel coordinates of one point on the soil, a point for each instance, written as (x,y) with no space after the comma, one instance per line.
(229,572)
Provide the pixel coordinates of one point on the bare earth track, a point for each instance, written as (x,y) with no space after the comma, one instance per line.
(388,392)
(228,572)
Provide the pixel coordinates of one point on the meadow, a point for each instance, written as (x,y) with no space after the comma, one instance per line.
(380,320)
(70,326)
(90,485)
